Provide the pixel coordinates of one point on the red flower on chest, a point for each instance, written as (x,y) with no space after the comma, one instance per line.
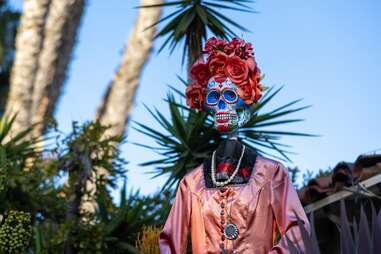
(225,167)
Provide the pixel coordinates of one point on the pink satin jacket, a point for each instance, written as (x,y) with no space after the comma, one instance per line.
(268,200)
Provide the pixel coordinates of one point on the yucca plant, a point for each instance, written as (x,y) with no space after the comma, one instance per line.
(188,137)
(123,222)
(18,147)
(192,19)
(15,152)
(355,238)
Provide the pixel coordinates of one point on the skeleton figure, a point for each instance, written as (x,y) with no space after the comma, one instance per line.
(234,201)
(230,111)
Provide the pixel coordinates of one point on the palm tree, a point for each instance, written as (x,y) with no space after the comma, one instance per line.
(119,97)
(190,22)
(44,44)
(29,41)
(60,33)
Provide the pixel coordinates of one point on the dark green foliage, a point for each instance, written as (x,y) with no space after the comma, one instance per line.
(14,153)
(309,174)
(191,20)
(361,239)
(49,185)
(86,149)
(189,137)
(122,224)
(15,232)
(294,173)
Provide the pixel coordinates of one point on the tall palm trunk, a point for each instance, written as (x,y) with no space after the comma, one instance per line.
(60,35)
(29,40)
(120,95)
(119,98)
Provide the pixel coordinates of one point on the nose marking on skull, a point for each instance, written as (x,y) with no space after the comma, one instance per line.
(221,104)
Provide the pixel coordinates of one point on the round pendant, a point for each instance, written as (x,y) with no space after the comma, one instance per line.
(231,231)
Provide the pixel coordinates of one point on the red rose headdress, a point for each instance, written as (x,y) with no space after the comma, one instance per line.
(234,60)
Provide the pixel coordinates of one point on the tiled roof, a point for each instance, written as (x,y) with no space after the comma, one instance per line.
(343,174)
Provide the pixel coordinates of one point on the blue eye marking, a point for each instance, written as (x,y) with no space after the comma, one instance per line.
(213,97)
(230,95)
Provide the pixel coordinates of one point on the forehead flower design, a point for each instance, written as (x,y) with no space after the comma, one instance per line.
(224,60)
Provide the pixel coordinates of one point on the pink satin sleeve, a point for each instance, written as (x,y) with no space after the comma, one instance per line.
(174,236)
(285,204)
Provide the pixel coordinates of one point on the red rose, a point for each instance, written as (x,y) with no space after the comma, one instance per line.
(246,93)
(239,47)
(256,74)
(258,92)
(247,51)
(200,73)
(251,63)
(233,45)
(195,94)
(214,44)
(220,44)
(209,45)
(236,69)
(217,64)
(255,77)
(244,52)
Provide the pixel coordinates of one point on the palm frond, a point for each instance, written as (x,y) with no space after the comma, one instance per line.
(191,19)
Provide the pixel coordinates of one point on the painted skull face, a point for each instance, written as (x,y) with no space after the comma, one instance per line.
(230,111)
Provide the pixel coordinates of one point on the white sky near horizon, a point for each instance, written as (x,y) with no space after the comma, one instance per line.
(326,52)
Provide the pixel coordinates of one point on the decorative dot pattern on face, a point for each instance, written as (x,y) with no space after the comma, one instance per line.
(230,111)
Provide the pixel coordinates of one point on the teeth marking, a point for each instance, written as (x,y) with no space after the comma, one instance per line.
(226,117)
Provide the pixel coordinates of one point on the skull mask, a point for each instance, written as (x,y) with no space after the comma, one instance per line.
(230,111)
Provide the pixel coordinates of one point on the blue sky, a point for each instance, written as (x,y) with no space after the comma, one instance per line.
(326,52)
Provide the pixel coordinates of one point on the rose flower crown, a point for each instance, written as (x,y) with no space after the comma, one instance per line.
(234,60)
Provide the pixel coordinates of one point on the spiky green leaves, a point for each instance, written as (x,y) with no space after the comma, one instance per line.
(192,19)
(188,136)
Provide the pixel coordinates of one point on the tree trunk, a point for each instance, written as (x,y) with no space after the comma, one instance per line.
(119,98)
(60,36)
(29,40)
(78,175)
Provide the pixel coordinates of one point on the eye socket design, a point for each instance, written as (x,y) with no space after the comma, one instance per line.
(230,96)
(213,97)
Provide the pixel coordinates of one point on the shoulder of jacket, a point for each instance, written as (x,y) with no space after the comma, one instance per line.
(271,167)
(193,176)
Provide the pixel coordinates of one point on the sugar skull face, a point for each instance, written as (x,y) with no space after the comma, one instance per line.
(230,111)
